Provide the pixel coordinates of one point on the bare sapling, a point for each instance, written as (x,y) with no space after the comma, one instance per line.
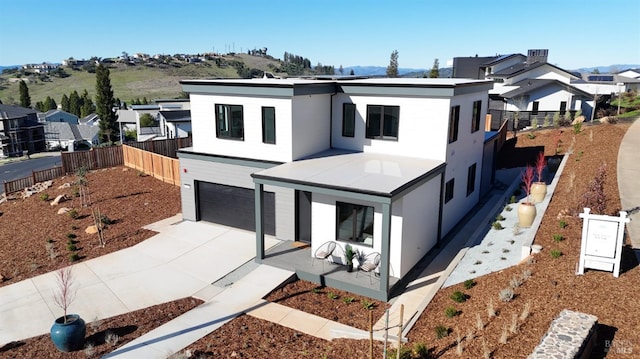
(66,292)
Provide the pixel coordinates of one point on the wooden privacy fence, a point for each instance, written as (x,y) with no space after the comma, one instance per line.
(167,148)
(96,158)
(161,167)
(36,176)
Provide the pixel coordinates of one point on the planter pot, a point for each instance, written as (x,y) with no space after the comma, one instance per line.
(526,214)
(538,191)
(349,267)
(68,336)
(553,163)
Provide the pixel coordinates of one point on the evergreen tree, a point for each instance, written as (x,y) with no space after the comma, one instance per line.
(49,104)
(25,99)
(352,72)
(341,70)
(435,71)
(392,69)
(87,105)
(39,106)
(105,104)
(64,103)
(74,103)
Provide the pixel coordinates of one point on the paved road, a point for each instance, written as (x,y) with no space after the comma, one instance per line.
(20,169)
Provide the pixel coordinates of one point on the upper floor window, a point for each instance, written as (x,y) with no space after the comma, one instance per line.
(269,125)
(475,123)
(229,122)
(348,120)
(454,119)
(383,122)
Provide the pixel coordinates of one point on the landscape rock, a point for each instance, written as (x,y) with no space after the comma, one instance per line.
(60,198)
(63,210)
(577,120)
(2,278)
(125,169)
(91,230)
(64,185)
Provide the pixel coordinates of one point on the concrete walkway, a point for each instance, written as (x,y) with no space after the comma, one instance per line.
(629,180)
(182,260)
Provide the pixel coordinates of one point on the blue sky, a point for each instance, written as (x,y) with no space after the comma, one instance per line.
(578,33)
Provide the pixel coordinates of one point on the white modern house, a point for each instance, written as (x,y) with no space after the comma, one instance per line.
(172,116)
(388,166)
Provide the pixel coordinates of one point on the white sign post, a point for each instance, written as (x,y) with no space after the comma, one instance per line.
(602,238)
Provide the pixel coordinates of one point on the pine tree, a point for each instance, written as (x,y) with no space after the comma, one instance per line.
(74,103)
(25,99)
(435,71)
(392,69)
(49,104)
(87,105)
(64,103)
(105,104)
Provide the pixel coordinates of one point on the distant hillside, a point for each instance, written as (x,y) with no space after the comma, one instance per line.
(8,67)
(608,69)
(403,71)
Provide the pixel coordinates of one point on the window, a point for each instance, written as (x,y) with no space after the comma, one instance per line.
(229,122)
(354,223)
(348,119)
(475,124)
(534,109)
(563,107)
(454,118)
(382,122)
(448,190)
(471,179)
(269,125)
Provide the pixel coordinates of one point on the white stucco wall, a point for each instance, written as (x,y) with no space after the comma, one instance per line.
(422,130)
(203,124)
(311,114)
(549,98)
(507,63)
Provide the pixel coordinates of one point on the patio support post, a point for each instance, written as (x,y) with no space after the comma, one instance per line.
(386,245)
(259,194)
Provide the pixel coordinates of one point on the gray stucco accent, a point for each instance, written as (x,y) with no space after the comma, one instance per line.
(415,90)
(259,212)
(255,89)
(386,247)
(187,154)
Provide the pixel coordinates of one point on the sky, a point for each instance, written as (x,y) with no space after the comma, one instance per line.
(577,33)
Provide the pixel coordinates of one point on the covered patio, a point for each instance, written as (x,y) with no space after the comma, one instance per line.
(380,182)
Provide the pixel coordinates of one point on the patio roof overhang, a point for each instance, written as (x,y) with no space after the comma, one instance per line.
(378,178)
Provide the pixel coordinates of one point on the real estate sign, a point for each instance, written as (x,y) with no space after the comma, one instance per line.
(602,238)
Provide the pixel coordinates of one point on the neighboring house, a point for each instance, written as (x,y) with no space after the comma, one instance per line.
(130,119)
(60,116)
(175,123)
(527,86)
(20,131)
(630,73)
(90,120)
(609,85)
(60,135)
(384,165)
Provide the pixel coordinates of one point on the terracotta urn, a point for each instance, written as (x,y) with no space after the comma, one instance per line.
(526,214)
(538,191)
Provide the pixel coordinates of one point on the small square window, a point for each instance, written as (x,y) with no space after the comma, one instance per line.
(383,122)
(229,122)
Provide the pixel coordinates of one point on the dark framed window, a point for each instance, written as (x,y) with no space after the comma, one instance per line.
(563,107)
(348,119)
(354,223)
(229,122)
(534,108)
(269,125)
(471,179)
(383,122)
(475,123)
(454,120)
(448,190)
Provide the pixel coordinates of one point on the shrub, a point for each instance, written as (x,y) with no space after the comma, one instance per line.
(557,238)
(515,282)
(421,350)
(506,295)
(563,224)
(534,123)
(332,295)
(73,213)
(348,300)
(546,121)
(512,199)
(44,197)
(441,331)
(577,128)
(469,283)
(458,297)
(497,226)
(508,208)
(71,236)
(368,305)
(73,228)
(49,240)
(405,353)
(450,312)
(531,135)
(105,220)
(71,247)
(594,197)
(74,257)
(316,290)
(491,310)
(500,218)
(556,253)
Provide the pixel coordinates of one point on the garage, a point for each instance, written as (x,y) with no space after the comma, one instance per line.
(233,206)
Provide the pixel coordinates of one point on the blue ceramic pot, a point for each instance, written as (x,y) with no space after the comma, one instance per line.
(68,336)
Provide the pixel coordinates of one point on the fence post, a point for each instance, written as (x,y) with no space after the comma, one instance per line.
(5,188)
(33,177)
